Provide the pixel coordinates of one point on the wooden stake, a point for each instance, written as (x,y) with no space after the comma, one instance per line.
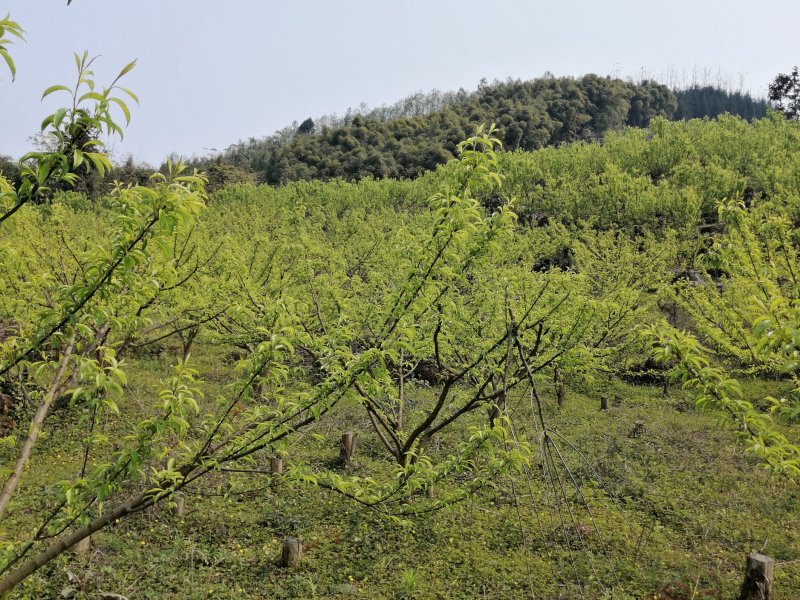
(292,552)
(347,447)
(757,584)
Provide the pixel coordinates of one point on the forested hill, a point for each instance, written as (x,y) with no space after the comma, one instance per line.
(529,115)
(421,132)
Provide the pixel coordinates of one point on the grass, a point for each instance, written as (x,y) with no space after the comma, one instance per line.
(670,514)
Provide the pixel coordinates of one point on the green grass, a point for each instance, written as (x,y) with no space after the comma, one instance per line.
(677,508)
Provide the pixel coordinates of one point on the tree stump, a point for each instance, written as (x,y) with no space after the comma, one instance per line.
(276,468)
(179,510)
(603,402)
(292,552)
(82,548)
(347,447)
(757,584)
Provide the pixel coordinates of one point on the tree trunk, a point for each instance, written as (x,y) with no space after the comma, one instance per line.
(188,341)
(494,414)
(401,394)
(34,430)
(66,542)
(558,381)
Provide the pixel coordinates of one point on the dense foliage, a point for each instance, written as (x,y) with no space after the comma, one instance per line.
(784,92)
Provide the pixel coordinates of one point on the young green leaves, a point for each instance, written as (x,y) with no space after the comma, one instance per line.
(8,30)
(70,134)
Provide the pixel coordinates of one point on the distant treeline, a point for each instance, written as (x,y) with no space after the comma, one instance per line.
(708,101)
(420,132)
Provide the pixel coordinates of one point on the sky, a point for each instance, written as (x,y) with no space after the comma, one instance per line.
(210,74)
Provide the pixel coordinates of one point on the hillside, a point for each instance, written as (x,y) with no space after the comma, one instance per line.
(540,340)
(487,331)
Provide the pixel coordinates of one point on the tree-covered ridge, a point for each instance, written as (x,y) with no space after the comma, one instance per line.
(420,132)
(528,114)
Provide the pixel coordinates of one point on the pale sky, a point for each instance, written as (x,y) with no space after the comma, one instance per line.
(212,73)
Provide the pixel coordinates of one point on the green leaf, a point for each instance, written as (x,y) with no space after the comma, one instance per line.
(92,96)
(54,88)
(127,69)
(100,161)
(122,107)
(133,96)
(58,117)
(9,62)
